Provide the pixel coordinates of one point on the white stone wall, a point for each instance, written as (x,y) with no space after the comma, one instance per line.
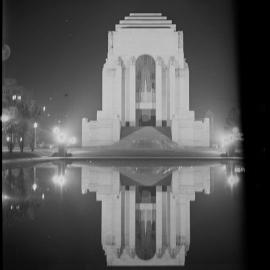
(101,132)
(187,132)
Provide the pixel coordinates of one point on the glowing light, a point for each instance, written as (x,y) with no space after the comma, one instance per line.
(8,139)
(227,139)
(21,139)
(43,196)
(235,130)
(72,140)
(4,118)
(233,180)
(19,97)
(61,137)
(35,125)
(44,108)
(56,130)
(59,180)
(5,197)
(34,186)
(13,97)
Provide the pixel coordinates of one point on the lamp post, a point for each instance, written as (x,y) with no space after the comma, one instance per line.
(35,134)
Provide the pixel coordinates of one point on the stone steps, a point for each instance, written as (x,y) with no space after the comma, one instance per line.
(125,131)
(146,138)
(165,130)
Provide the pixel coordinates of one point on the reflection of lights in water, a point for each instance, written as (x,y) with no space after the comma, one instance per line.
(59,180)
(239,169)
(43,196)
(34,186)
(233,180)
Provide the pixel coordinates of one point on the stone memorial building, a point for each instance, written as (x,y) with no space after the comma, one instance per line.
(145,82)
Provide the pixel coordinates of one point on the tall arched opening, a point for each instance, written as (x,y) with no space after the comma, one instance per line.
(145,91)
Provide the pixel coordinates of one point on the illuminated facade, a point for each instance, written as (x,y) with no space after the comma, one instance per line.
(145,82)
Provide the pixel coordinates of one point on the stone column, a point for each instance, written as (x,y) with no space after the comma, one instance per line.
(158,219)
(132,209)
(106,220)
(117,219)
(117,97)
(172,222)
(132,92)
(172,86)
(159,92)
(184,220)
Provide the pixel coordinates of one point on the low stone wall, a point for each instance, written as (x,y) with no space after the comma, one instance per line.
(187,132)
(101,132)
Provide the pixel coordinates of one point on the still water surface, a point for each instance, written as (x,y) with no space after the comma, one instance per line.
(91,215)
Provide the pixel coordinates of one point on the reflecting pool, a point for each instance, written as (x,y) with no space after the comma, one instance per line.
(85,215)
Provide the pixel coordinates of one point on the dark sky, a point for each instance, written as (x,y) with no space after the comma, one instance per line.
(60,46)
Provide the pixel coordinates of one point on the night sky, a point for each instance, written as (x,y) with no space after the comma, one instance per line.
(58,47)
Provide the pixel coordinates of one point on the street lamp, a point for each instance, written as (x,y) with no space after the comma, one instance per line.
(35,135)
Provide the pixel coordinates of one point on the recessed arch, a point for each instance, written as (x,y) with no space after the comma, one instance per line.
(145,90)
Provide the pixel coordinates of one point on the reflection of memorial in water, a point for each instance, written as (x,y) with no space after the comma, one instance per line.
(145,222)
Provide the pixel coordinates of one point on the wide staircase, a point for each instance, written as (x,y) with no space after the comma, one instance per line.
(165,130)
(146,137)
(125,131)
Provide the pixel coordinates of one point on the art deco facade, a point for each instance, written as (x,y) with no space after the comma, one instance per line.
(145,82)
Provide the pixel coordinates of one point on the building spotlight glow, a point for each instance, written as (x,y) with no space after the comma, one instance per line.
(235,130)
(227,140)
(5,197)
(59,180)
(4,118)
(56,130)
